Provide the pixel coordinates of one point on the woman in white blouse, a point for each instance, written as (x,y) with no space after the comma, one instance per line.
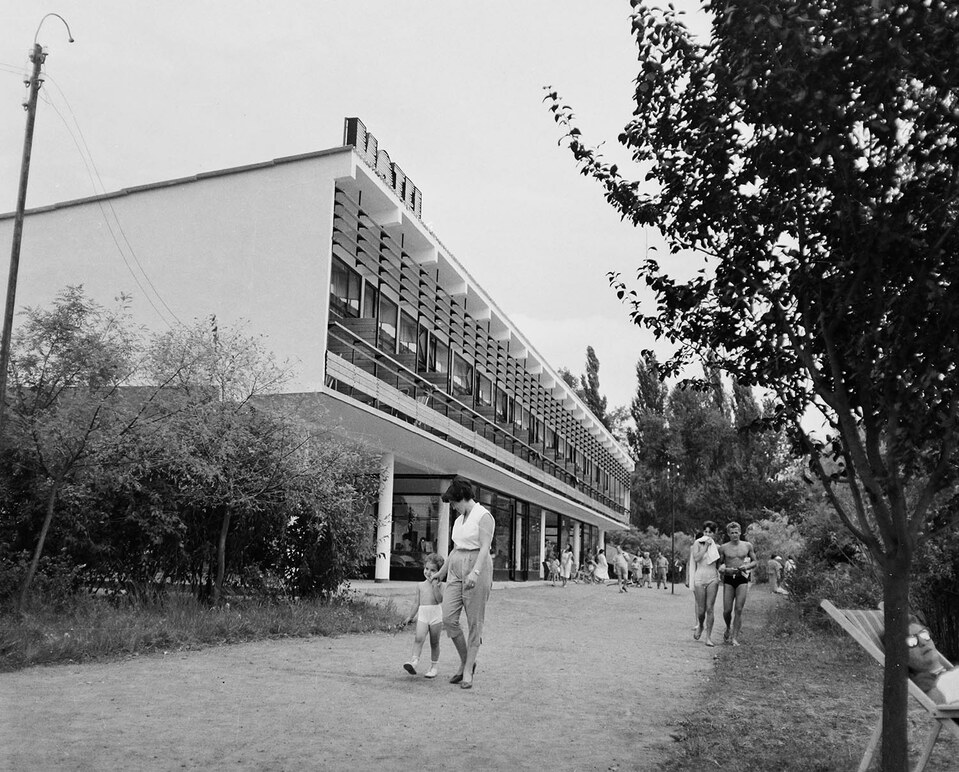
(468,572)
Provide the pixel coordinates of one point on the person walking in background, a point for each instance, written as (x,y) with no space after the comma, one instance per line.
(647,571)
(702,571)
(602,566)
(659,569)
(774,570)
(621,564)
(566,564)
(636,569)
(428,612)
(468,572)
(738,558)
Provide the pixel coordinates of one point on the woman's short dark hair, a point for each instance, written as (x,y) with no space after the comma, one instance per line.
(711,526)
(460,490)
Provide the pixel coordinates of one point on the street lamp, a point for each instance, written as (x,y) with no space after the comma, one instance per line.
(672,512)
(672,526)
(37,56)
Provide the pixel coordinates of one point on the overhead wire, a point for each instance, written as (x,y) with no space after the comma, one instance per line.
(109,203)
(106,219)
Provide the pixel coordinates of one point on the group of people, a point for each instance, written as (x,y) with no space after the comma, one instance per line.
(632,570)
(461,583)
(778,571)
(710,564)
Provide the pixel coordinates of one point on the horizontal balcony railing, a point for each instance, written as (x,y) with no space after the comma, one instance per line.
(355,366)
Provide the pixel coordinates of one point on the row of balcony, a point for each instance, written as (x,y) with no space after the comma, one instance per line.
(389,383)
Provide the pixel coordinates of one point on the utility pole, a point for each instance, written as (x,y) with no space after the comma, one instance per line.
(37,56)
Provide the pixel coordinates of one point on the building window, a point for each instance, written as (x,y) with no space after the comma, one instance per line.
(387,325)
(519,414)
(462,377)
(344,289)
(371,299)
(423,349)
(439,360)
(407,334)
(502,406)
(484,391)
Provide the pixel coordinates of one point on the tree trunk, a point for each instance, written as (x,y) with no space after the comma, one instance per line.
(47,519)
(895,693)
(221,557)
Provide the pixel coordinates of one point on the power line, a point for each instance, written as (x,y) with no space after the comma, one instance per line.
(106,221)
(109,202)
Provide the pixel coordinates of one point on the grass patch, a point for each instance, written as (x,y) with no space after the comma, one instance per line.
(795,697)
(96,629)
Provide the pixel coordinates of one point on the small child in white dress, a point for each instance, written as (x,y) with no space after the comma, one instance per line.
(427,610)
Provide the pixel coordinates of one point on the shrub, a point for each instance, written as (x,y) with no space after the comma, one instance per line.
(847,585)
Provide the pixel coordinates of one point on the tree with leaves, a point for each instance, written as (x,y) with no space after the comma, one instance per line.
(230,460)
(808,152)
(69,419)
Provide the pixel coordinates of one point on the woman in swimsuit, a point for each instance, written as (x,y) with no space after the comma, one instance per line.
(704,569)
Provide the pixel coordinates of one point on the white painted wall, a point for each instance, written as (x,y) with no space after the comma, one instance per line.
(250,245)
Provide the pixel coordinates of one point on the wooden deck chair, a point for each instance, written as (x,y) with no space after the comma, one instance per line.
(866,627)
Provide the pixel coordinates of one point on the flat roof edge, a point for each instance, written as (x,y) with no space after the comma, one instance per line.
(179,181)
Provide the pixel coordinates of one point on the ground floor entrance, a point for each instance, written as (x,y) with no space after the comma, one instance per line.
(526,534)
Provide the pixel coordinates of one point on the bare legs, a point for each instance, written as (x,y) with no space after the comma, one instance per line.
(705,595)
(734,598)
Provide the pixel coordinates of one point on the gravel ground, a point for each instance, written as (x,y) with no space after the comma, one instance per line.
(575,678)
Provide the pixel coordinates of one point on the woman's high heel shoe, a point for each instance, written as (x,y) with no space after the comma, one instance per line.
(458,679)
(468,684)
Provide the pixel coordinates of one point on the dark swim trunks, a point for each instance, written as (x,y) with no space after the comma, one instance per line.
(735,580)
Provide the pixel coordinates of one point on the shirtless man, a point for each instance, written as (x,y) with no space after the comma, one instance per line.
(737,558)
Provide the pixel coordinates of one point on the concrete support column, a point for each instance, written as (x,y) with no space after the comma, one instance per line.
(384,520)
(542,542)
(601,539)
(577,542)
(443,526)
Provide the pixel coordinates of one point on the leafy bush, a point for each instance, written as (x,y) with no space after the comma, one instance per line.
(935,589)
(847,585)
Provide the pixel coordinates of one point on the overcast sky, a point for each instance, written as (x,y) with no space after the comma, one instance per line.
(452,90)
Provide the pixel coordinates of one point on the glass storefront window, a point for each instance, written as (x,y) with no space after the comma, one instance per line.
(534,559)
(415,523)
(502,511)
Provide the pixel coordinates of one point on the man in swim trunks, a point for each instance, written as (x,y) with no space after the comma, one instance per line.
(737,558)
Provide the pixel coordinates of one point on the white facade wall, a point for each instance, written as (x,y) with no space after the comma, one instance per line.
(252,246)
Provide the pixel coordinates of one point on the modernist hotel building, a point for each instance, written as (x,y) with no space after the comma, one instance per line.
(326,254)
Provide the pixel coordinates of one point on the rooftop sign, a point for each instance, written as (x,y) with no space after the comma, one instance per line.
(366,145)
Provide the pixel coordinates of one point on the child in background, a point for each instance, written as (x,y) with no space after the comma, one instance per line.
(427,610)
(554,569)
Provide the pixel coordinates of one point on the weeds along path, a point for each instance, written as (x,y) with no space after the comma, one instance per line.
(581,678)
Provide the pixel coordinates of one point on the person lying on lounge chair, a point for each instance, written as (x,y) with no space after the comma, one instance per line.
(926,668)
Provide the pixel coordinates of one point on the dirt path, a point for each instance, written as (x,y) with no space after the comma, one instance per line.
(582,678)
